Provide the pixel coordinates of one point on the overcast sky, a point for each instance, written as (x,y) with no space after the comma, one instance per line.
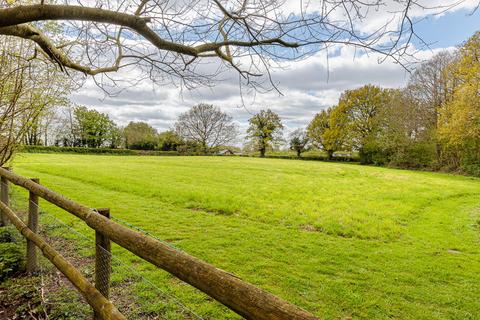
(307,86)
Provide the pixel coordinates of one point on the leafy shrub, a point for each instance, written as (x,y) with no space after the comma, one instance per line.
(372,154)
(12,255)
(336,157)
(55,149)
(143,145)
(417,155)
(12,259)
(471,168)
(9,234)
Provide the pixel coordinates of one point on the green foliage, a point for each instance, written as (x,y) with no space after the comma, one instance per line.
(358,113)
(340,240)
(22,294)
(12,252)
(29,88)
(415,155)
(433,123)
(9,234)
(191,148)
(326,131)
(265,128)
(93,128)
(169,141)
(55,149)
(67,306)
(336,157)
(299,141)
(81,150)
(353,124)
(371,153)
(140,136)
(459,128)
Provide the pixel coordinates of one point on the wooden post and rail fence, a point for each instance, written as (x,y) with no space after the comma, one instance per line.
(242,297)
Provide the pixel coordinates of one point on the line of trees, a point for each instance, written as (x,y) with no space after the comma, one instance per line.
(434,122)
(203,129)
(444,92)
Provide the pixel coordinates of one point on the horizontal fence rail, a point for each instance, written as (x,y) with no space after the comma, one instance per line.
(243,298)
(99,303)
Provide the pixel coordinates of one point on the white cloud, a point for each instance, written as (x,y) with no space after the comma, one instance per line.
(303,84)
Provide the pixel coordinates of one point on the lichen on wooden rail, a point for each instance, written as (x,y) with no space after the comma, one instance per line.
(99,303)
(242,297)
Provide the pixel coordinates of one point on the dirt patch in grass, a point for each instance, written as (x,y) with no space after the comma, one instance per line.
(215,211)
(308,228)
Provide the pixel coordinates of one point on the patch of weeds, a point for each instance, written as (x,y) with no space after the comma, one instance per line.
(66,305)
(19,299)
(32,298)
(48,295)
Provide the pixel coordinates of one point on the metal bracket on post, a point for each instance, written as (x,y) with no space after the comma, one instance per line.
(4,197)
(32,265)
(103,260)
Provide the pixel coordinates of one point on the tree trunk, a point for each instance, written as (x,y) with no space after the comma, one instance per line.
(299,153)
(205,147)
(329,154)
(262,152)
(263,148)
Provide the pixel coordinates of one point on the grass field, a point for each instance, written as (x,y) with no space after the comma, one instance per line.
(340,240)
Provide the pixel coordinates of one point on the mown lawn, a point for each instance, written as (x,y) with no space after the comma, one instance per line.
(340,240)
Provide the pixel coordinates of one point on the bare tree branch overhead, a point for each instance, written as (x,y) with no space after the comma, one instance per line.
(192,42)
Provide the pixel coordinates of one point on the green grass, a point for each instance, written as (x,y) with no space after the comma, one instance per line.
(340,240)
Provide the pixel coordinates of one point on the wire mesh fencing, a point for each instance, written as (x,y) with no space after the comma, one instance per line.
(132,292)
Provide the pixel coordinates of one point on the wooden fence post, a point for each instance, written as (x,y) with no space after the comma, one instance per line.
(32,225)
(103,260)
(4,197)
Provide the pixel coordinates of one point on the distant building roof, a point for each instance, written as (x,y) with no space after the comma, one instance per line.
(225,152)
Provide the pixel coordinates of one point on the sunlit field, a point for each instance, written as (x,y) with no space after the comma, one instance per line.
(340,240)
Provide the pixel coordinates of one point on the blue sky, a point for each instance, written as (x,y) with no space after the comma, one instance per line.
(450,29)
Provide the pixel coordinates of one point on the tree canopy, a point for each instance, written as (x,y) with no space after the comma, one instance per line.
(140,135)
(265,128)
(434,122)
(28,89)
(206,125)
(93,129)
(299,141)
(326,130)
(459,127)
